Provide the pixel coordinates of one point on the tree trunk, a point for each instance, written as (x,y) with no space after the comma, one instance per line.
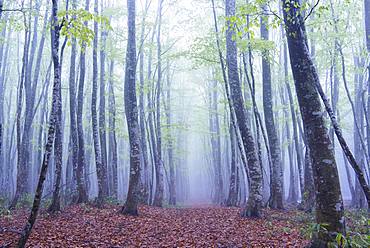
(102,118)
(276,187)
(72,104)
(142,112)
(298,150)
(82,196)
(308,198)
(329,203)
(218,197)
(367,38)
(22,173)
(58,142)
(171,163)
(292,192)
(100,170)
(56,104)
(113,157)
(132,118)
(254,203)
(151,136)
(359,200)
(355,165)
(233,187)
(159,190)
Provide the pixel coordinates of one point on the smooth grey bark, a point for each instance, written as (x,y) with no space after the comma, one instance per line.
(142,112)
(254,204)
(334,89)
(151,133)
(100,170)
(294,121)
(56,104)
(329,203)
(102,117)
(131,112)
(73,104)
(55,205)
(367,39)
(214,126)
(358,199)
(113,156)
(82,196)
(5,71)
(347,167)
(233,187)
(308,198)
(228,97)
(36,77)
(43,116)
(258,124)
(30,93)
(292,192)
(159,190)
(22,171)
(276,187)
(170,145)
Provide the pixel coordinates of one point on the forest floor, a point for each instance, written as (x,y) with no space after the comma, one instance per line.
(87,226)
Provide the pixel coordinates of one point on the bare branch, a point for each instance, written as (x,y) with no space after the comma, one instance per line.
(312,9)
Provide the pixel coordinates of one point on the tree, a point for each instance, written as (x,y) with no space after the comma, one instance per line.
(72,106)
(277,198)
(56,104)
(233,188)
(113,157)
(367,38)
(254,204)
(22,170)
(143,143)
(81,188)
(102,118)
(131,112)
(214,128)
(159,190)
(100,170)
(58,142)
(329,203)
(170,145)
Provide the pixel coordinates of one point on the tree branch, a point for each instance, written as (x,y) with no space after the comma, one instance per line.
(312,9)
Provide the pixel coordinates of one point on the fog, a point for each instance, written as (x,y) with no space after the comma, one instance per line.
(190,65)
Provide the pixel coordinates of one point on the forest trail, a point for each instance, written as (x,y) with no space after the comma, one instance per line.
(86,226)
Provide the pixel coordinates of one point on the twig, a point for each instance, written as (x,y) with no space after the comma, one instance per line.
(15,10)
(273,12)
(311,10)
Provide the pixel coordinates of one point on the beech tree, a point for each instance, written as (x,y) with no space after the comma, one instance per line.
(276,172)
(56,104)
(254,204)
(329,203)
(131,112)
(159,190)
